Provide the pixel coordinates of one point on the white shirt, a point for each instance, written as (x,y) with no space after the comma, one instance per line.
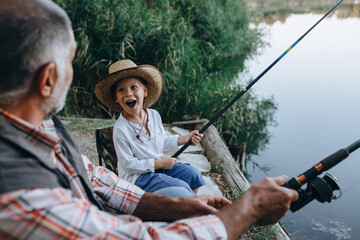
(134,157)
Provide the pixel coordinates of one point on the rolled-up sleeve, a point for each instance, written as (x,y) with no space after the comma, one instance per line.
(117,194)
(170,143)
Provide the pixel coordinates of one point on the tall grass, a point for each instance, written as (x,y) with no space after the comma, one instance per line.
(199,47)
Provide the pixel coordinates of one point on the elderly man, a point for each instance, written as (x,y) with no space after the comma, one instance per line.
(46,190)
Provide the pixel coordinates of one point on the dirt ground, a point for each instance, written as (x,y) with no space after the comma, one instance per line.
(87,145)
(83,132)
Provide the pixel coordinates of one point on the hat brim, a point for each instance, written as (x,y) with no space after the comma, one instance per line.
(151,75)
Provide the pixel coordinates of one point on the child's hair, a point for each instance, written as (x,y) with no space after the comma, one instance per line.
(114,86)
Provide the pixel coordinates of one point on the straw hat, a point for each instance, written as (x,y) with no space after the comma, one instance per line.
(123,69)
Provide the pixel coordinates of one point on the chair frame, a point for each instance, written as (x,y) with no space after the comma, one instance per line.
(105,147)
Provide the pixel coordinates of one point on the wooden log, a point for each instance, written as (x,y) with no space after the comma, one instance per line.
(219,156)
(188,122)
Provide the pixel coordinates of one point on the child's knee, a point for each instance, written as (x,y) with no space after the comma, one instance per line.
(194,172)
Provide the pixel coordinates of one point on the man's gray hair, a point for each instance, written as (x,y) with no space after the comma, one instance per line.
(32,34)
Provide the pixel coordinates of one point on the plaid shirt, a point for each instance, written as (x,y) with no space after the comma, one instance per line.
(59,213)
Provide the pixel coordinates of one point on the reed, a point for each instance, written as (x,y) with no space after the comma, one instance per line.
(199,46)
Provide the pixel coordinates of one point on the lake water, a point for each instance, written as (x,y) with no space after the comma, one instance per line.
(317,88)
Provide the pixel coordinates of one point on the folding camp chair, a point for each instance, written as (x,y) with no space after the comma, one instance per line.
(105,147)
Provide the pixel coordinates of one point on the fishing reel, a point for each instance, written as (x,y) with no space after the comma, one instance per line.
(319,188)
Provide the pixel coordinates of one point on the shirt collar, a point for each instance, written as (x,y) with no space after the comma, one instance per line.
(31,133)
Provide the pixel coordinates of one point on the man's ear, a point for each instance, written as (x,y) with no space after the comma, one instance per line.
(47,79)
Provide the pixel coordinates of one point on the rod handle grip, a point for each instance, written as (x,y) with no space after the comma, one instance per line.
(334,159)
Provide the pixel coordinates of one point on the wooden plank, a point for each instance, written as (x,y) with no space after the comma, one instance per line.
(188,122)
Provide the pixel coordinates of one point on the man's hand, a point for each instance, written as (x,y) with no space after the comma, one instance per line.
(160,207)
(265,203)
(271,199)
(214,201)
(201,205)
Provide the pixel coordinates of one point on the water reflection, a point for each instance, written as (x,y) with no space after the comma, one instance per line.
(274,13)
(316,87)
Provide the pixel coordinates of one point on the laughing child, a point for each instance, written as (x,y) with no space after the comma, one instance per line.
(139,136)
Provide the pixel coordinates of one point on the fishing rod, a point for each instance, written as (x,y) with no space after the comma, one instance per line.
(319,188)
(254,81)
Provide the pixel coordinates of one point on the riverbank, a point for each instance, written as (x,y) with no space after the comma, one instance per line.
(83,131)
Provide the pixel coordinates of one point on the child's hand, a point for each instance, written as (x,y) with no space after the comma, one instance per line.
(164,163)
(195,137)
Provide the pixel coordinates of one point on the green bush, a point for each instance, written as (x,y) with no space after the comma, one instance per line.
(199,46)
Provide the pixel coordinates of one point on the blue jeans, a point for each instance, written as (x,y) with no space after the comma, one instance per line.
(175,192)
(180,175)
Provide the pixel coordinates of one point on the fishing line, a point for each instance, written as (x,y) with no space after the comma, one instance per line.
(254,81)
(353,185)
